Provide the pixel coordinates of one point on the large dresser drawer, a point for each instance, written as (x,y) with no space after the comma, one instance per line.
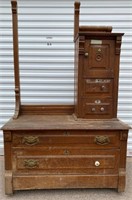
(67,161)
(89,139)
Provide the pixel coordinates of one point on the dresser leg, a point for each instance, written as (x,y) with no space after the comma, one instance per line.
(122,180)
(8,182)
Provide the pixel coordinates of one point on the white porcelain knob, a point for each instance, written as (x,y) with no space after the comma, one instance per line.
(86,54)
(102,109)
(97,163)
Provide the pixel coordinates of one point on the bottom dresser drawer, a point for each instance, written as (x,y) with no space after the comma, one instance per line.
(71,161)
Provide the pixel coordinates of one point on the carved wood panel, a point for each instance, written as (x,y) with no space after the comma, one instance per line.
(99,58)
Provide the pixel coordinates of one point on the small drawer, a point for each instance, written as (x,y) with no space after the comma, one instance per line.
(69,161)
(89,139)
(95,107)
(98,87)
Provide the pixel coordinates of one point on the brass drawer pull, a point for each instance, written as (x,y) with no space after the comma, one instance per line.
(102,140)
(31,163)
(66,133)
(66,152)
(97,163)
(30,140)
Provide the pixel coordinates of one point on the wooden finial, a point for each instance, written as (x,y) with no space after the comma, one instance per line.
(77,5)
(76,17)
(14,6)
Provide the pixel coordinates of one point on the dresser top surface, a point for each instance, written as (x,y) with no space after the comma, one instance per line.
(60,122)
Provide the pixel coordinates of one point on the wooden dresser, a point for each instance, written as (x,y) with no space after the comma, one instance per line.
(78,146)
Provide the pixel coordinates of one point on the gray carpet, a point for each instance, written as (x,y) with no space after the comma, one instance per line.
(76,194)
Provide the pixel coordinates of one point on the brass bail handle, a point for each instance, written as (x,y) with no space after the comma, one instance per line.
(30,140)
(66,152)
(31,163)
(102,140)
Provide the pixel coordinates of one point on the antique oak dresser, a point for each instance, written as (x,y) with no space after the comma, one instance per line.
(78,146)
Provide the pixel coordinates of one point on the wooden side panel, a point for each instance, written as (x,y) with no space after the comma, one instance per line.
(8,150)
(118,42)
(8,162)
(79,74)
(122,164)
(76,61)
(47,109)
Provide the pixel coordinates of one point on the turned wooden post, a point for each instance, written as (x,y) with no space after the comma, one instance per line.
(76,18)
(16,58)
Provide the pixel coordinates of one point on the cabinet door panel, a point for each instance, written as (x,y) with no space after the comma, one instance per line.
(99,58)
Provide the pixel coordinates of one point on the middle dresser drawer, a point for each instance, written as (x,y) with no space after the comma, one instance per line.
(89,139)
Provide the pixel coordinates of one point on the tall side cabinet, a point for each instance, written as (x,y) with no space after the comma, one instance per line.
(71,146)
(97,53)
